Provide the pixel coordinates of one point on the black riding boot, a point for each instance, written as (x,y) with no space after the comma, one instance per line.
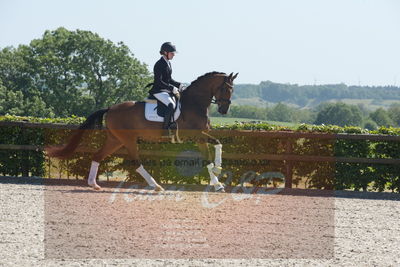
(167,121)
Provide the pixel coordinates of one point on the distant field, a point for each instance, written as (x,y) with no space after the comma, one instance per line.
(256,101)
(224,120)
(371,104)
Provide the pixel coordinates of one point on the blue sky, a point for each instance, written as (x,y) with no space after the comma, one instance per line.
(287,41)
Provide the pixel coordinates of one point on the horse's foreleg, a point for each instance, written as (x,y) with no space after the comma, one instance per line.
(110,146)
(217,168)
(218,158)
(213,169)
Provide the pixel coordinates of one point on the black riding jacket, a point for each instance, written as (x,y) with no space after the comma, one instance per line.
(163,81)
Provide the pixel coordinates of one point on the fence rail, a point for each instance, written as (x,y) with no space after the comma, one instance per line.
(279,157)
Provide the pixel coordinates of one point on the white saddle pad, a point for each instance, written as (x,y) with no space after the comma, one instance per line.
(150,112)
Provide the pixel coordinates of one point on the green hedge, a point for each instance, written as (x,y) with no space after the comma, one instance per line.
(25,162)
(181,169)
(21,162)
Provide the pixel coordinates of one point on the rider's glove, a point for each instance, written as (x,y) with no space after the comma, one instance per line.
(175,91)
(182,87)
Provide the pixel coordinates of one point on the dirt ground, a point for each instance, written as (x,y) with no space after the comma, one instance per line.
(71,225)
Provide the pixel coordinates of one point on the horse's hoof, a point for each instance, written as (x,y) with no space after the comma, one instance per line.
(219,188)
(95,187)
(158,188)
(178,140)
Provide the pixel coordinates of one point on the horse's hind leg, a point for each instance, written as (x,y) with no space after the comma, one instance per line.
(130,142)
(111,145)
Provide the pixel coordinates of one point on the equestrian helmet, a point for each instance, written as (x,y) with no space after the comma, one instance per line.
(167,47)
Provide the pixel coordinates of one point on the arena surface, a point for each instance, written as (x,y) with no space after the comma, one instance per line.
(71,225)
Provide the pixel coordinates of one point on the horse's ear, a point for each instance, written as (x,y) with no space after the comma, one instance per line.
(234,77)
(230,76)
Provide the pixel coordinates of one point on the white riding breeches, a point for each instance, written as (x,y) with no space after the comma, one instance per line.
(165,98)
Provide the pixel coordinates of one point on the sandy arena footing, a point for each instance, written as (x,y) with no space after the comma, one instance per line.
(64,225)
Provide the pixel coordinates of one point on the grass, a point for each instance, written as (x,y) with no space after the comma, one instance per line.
(226,120)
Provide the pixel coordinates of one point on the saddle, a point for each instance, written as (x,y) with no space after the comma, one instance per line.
(155,110)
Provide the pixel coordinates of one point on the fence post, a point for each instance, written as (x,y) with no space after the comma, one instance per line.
(49,162)
(288,163)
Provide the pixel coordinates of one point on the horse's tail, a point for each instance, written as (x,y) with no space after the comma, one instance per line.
(65,151)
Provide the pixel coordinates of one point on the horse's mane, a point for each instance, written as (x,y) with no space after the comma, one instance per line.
(205,75)
(198,92)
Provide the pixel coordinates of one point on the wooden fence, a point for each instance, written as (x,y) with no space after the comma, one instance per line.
(287,156)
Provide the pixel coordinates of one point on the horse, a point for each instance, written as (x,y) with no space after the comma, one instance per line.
(125,124)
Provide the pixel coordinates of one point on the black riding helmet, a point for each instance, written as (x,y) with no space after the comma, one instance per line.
(167,47)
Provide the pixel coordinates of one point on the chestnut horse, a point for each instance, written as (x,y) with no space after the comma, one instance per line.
(125,123)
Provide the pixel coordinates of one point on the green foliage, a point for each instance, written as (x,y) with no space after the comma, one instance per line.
(311,99)
(339,114)
(394,114)
(73,120)
(250,112)
(69,72)
(370,125)
(10,102)
(21,162)
(353,175)
(381,117)
(14,103)
(247,112)
(387,176)
(322,175)
(259,126)
(279,112)
(302,95)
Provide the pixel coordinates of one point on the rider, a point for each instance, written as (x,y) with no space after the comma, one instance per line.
(164,87)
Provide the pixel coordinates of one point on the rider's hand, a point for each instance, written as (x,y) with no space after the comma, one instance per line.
(175,91)
(182,87)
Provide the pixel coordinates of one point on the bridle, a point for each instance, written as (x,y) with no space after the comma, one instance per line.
(224,85)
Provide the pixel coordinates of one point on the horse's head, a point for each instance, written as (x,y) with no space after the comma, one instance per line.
(223,93)
(213,87)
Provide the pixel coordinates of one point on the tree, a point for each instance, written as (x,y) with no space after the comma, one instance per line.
(10,102)
(304,115)
(281,112)
(15,70)
(250,112)
(19,95)
(94,73)
(381,117)
(370,125)
(394,114)
(311,95)
(13,102)
(340,114)
(73,73)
